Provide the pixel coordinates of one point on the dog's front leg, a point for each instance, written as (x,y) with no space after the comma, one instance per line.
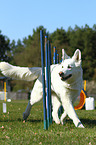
(56,104)
(71,113)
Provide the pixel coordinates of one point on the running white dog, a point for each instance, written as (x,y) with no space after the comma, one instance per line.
(66,83)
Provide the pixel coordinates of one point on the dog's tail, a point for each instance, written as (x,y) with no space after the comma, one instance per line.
(21,73)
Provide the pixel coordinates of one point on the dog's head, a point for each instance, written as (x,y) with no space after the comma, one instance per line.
(70,69)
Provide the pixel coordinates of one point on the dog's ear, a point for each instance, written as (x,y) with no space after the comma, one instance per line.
(64,55)
(77,55)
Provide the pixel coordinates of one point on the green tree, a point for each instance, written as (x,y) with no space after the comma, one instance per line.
(4,48)
(60,40)
(30,54)
(75,39)
(89,52)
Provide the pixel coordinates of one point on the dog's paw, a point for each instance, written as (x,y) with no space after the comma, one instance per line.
(63,122)
(24,116)
(80,125)
(56,121)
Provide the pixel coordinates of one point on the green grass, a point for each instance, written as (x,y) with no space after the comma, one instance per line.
(15,132)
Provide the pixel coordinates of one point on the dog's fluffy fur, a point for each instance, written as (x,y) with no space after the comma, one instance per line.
(66,83)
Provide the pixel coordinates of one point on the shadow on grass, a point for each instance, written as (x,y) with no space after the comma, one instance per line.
(12,120)
(86,122)
(21,120)
(34,120)
(89,122)
(31,120)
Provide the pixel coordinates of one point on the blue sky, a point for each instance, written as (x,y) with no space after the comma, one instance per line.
(18,18)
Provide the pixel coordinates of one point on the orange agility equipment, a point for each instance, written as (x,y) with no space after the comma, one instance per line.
(82,100)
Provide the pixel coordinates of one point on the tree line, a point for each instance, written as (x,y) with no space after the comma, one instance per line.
(27,52)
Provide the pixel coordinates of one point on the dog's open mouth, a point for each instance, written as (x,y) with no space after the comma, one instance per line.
(63,78)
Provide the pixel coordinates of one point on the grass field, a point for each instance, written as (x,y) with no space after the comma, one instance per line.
(14,132)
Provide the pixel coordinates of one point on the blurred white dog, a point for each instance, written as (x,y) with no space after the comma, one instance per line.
(66,83)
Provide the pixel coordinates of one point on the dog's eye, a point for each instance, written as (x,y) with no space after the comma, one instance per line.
(62,66)
(69,66)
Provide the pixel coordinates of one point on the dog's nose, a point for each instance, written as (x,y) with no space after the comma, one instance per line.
(61,73)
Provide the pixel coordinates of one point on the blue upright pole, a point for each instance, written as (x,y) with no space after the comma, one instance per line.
(43,79)
(55,61)
(47,80)
(49,62)
(49,45)
(55,56)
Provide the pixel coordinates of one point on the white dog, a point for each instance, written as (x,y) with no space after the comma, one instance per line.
(66,83)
